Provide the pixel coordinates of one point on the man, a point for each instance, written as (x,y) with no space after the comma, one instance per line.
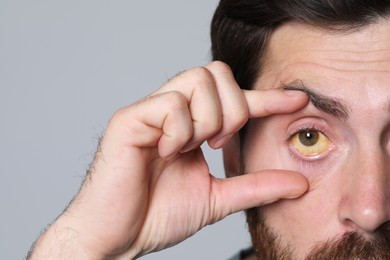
(318,103)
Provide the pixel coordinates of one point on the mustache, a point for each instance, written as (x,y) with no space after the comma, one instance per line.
(349,246)
(354,246)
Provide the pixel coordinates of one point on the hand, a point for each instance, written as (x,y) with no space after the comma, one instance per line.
(150,187)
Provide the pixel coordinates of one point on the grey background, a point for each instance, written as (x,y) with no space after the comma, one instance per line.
(65,67)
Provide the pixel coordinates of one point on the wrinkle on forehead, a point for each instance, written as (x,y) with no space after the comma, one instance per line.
(365,50)
(354,67)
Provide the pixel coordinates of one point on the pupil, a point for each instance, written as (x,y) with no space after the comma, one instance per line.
(309,138)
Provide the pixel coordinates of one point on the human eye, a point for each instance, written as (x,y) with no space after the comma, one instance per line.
(310,143)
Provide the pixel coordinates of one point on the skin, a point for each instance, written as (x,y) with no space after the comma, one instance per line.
(149,186)
(349,181)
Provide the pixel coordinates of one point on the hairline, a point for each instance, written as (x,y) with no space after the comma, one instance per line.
(266,54)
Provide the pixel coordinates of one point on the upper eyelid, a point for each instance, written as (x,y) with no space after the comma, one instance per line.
(309,124)
(303,129)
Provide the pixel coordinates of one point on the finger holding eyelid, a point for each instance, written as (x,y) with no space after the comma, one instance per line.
(263,103)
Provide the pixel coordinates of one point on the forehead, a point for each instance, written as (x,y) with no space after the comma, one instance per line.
(354,64)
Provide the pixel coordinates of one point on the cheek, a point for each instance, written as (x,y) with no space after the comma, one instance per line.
(300,223)
(311,218)
(262,149)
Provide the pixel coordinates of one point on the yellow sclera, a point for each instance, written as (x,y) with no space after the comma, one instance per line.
(310,143)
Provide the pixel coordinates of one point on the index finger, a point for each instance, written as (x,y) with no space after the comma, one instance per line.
(263,103)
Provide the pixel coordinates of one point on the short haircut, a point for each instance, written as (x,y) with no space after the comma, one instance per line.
(240,29)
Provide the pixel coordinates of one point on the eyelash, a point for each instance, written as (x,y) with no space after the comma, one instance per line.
(305,161)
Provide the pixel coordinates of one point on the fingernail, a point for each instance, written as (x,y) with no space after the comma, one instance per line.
(190,146)
(294,93)
(169,157)
(222,141)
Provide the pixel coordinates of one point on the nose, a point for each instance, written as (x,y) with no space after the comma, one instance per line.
(365,201)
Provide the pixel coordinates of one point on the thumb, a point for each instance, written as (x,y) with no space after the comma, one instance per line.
(255,189)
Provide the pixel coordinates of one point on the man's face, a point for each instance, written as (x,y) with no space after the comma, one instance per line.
(340,141)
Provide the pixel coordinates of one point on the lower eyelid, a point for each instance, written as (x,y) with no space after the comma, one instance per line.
(307,164)
(308,123)
(313,160)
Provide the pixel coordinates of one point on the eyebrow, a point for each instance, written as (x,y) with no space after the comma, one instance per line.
(329,105)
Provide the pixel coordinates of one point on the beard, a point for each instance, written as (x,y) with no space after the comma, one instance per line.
(351,245)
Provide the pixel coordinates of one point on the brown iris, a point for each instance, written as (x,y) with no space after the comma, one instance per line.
(310,143)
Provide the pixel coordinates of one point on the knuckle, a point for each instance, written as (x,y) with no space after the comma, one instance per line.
(121,119)
(120,114)
(176,100)
(201,77)
(234,125)
(220,67)
(241,116)
(216,124)
(207,128)
(235,116)
(208,124)
(124,118)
